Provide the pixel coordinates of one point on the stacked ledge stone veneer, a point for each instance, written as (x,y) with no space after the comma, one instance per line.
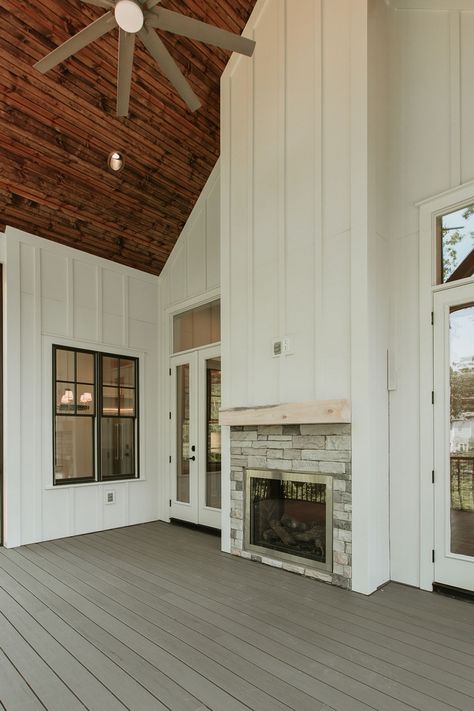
(324,449)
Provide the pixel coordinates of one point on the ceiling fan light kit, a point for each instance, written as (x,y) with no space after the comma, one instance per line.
(129,15)
(134,18)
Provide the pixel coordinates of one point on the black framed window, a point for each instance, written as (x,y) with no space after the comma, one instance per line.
(118,417)
(95,418)
(74,415)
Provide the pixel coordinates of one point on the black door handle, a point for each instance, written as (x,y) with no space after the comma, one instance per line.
(192,459)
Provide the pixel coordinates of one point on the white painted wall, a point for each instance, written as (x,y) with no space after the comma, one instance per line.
(193,267)
(58,295)
(285,166)
(190,277)
(303,255)
(432,150)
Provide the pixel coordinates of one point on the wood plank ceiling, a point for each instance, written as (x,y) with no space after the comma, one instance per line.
(57,130)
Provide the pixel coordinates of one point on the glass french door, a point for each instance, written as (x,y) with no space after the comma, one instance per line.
(196,437)
(454,436)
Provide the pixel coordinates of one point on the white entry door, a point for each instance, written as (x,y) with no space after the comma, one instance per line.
(454,436)
(196,437)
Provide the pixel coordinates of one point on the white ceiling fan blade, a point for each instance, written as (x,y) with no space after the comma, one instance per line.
(169,67)
(124,74)
(195,29)
(89,34)
(107,4)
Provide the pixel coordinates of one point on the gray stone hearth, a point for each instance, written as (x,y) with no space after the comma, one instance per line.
(321,448)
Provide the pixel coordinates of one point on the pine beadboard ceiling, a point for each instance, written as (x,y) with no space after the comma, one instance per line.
(57,130)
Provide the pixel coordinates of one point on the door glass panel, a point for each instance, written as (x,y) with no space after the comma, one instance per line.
(213,446)
(182,439)
(117,448)
(461,331)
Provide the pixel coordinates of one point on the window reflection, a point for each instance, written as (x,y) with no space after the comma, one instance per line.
(456,235)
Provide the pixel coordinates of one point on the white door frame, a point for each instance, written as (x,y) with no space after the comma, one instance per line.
(196,511)
(430,209)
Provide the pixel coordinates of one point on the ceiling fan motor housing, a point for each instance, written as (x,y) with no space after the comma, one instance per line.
(129,15)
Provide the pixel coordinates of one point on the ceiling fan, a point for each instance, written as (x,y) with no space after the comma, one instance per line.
(140,17)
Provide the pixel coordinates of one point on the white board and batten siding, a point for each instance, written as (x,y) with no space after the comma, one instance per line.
(285,165)
(192,271)
(57,295)
(190,277)
(432,150)
(295,214)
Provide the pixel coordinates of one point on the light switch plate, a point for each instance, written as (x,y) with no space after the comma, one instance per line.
(286,345)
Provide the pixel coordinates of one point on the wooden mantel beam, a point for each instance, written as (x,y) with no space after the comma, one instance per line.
(293,413)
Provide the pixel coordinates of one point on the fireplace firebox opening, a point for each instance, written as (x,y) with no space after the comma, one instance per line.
(288,515)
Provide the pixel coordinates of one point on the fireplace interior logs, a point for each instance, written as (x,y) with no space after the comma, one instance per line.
(289,516)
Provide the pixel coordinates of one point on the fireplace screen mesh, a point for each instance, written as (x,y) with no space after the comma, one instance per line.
(291,514)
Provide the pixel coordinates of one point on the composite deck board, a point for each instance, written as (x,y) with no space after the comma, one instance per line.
(261,661)
(156,617)
(57,644)
(407,617)
(290,650)
(15,691)
(123,655)
(345,617)
(147,582)
(34,670)
(455,630)
(214,695)
(438,672)
(184,641)
(436,659)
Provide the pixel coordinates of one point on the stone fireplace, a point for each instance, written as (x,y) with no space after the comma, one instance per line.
(291,494)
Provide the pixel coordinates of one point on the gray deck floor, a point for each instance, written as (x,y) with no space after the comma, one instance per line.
(155,617)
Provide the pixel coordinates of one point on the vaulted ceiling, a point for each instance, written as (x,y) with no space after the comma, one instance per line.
(57,130)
